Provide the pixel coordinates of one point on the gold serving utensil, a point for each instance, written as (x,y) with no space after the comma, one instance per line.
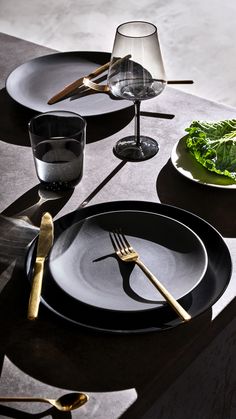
(126,253)
(77,83)
(64,403)
(45,241)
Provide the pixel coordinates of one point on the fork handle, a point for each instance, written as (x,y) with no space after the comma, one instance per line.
(164,292)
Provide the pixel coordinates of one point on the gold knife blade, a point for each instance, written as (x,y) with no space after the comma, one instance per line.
(45,241)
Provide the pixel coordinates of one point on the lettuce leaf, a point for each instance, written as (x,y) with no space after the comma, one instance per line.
(214,145)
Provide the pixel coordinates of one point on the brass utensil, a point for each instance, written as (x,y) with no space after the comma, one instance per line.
(45,241)
(77,83)
(127,253)
(70,88)
(64,403)
(104,88)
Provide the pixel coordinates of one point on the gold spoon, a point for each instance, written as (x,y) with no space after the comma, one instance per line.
(64,403)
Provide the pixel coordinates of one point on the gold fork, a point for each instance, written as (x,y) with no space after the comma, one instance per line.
(126,253)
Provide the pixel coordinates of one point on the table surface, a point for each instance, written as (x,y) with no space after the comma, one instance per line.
(124,375)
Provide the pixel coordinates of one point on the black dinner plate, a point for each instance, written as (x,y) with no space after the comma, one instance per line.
(34,82)
(200,298)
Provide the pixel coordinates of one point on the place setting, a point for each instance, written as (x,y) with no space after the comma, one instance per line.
(84,279)
(150,266)
(74,266)
(116,282)
(94,84)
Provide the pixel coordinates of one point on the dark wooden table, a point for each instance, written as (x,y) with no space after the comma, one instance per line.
(189,371)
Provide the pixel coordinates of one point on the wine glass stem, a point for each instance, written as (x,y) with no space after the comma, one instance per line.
(137,122)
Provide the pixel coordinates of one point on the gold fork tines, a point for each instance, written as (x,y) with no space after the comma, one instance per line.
(127,253)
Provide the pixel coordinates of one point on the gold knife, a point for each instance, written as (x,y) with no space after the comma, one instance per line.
(77,83)
(45,241)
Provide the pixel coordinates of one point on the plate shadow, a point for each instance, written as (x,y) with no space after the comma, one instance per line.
(14,120)
(215,205)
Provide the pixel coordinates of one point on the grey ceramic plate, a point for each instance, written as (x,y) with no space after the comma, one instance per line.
(34,82)
(187,165)
(83,263)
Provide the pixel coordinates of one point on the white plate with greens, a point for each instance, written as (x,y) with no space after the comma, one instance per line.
(218,137)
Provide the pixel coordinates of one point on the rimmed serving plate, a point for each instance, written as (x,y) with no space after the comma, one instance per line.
(34,82)
(187,165)
(158,315)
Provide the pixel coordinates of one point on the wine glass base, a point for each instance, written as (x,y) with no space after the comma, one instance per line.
(127,149)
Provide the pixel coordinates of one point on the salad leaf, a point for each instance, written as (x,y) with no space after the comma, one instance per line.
(214,145)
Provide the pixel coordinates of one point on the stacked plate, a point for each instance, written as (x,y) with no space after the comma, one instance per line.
(86,284)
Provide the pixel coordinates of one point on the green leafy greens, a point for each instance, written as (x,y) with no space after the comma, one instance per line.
(214,145)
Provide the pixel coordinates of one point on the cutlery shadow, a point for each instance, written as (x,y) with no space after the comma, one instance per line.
(19,225)
(10,412)
(98,127)
(31,205)
(125,271)
(102,184)
(215,205)
(157,115)
(1,362)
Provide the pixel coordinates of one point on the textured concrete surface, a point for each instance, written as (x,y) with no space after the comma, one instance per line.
(197,38)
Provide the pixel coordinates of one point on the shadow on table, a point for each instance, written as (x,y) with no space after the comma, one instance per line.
(215,205)
(93,362)
(67,356)
(64,355)
(9,412)
(14,120)
(84,361)
(31,206)
(19,223)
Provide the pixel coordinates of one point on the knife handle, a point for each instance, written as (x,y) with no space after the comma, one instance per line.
(35,293)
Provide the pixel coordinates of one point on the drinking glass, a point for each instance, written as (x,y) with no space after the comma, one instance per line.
(136,73)
(58,142)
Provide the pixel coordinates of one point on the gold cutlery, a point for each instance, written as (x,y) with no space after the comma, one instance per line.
(64,403)
(126,253)
(86,81)
(104,88)
(70,88)
(45,241)
(77,83)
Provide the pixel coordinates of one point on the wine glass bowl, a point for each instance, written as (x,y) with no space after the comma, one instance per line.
(136,73)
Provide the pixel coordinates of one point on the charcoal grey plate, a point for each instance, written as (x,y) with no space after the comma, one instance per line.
(33,83)
(83,262)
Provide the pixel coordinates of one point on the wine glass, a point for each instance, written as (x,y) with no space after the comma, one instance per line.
(136,73)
